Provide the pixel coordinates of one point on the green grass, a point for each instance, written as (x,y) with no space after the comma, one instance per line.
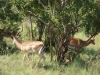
(88,63)
(11,65)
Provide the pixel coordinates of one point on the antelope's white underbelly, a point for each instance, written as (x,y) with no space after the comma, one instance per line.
(71,47)
(29,48)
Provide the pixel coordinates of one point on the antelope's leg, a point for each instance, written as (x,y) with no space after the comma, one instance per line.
(38,61)
(43,60)
(28,59)
(41,57)
(75,54)
(23,58)
(73,57)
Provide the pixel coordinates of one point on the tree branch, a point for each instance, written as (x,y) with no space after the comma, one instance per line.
(41,4)
(31,13)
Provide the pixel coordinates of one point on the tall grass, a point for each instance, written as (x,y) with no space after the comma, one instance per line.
(88,63)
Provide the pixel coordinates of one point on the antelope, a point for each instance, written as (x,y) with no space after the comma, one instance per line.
(30,46)
(76,43)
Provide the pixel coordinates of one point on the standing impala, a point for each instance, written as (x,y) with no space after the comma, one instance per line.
(30,46)
(78,43)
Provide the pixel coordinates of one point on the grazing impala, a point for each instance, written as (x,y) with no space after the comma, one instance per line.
(78,43)
(30,46)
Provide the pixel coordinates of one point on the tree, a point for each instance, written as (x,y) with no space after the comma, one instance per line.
(57,19)
(10,19)
(63,18)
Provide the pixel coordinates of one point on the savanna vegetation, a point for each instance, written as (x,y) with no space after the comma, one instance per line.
(53,22)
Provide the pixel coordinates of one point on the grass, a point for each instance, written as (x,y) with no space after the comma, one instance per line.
(87,64)
(11,65)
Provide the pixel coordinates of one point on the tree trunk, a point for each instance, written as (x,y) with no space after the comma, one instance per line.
(31,31)
(41,27)
(62,49)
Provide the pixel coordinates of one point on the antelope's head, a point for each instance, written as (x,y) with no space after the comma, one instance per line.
(14,37)
(92,41)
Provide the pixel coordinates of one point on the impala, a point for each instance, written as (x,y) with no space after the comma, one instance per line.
(30,46)
(77,43)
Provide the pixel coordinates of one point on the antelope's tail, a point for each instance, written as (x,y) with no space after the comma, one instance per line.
(41,50)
